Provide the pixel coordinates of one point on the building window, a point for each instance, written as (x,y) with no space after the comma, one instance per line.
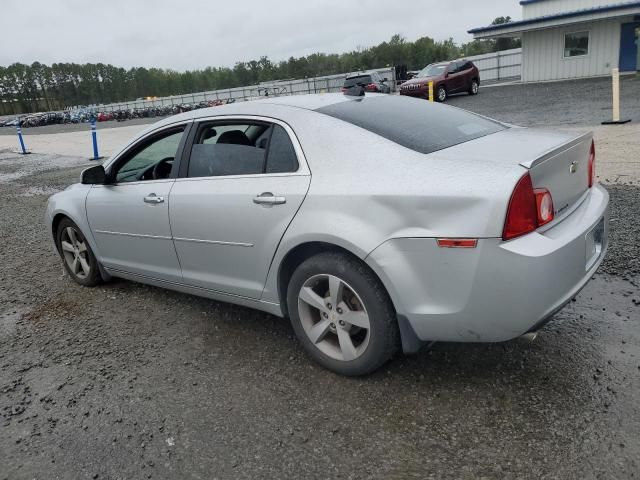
(576,44)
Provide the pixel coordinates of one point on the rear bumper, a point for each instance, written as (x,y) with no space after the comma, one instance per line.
(497,291)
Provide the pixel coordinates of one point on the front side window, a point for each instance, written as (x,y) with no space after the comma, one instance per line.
(150,160)
(241,149)
(576,44)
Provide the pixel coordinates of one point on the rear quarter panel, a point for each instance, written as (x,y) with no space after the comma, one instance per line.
(366,189)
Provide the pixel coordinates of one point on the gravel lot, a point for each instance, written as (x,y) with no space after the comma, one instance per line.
(131,381)
(571,103)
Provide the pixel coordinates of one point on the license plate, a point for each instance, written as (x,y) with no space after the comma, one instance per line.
(595,239)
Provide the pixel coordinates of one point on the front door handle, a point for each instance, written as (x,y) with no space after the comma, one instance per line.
(268,198)
(153,199)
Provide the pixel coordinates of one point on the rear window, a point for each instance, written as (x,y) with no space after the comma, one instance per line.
(350,82)
(416,124)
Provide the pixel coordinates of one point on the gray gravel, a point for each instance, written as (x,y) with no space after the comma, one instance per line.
(130,381)
(624,251)
(570,103)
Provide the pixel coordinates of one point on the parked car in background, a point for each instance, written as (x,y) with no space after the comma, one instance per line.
(420,222)
(448,78)
(371,82)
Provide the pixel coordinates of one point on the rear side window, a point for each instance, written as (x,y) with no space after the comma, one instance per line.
(241,149)
(353,81)
(226,150)
(213,160)
(282,156)
(421,126)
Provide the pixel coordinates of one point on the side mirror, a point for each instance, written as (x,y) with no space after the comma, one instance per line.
(93,175)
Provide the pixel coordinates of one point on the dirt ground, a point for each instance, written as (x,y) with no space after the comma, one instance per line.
(129,381)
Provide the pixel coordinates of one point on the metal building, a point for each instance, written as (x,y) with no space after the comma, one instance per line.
(564,39)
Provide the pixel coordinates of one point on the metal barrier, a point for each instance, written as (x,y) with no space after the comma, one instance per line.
(499,66)
(328,83)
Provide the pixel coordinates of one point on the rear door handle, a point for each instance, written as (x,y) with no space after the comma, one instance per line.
(268,198)
(153,199)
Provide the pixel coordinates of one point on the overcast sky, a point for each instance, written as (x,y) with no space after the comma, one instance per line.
(198,33)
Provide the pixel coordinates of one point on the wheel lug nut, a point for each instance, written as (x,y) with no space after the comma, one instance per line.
(329,306)
(339,310)
(341,322)
(324,314)
(333,325)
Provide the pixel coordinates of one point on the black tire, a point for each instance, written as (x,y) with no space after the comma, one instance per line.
(441,94)
(92,278)
(384,336)
(474,87)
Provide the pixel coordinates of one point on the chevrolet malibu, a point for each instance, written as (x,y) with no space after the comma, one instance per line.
(374,223)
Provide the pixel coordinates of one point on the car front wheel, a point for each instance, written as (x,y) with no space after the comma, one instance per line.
(473,89)
(342,314)
(77,257)
(441,94)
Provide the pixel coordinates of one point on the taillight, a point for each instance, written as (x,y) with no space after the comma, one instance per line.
(528,209)
(544,205)
(592,164)
(372,87)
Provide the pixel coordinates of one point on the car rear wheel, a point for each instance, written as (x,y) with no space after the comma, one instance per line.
(342,314)
(77,257)
(441,94)
(473,89)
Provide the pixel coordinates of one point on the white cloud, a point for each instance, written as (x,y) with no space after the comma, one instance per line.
(200,33)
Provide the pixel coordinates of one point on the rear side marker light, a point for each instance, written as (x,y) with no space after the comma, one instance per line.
(457,242)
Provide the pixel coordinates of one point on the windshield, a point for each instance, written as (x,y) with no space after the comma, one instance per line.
(432,70)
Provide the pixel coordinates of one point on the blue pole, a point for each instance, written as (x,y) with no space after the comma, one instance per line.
(95,140)
(22,147)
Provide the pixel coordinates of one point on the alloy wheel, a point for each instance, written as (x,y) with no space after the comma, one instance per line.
(74,249)
(474,87)
(334,317)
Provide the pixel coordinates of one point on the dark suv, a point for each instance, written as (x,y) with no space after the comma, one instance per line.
(372,82)
(453,77)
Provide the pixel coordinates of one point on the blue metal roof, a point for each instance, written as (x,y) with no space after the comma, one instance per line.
(557,16)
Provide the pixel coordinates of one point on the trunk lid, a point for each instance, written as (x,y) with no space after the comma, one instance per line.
(556,160)
(563,170)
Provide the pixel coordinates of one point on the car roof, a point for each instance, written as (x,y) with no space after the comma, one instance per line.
(264,106)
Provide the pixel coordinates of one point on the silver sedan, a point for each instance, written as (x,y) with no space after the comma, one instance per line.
(375,223)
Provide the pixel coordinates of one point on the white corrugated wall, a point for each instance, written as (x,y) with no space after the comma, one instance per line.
(551,7)
(543,52)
